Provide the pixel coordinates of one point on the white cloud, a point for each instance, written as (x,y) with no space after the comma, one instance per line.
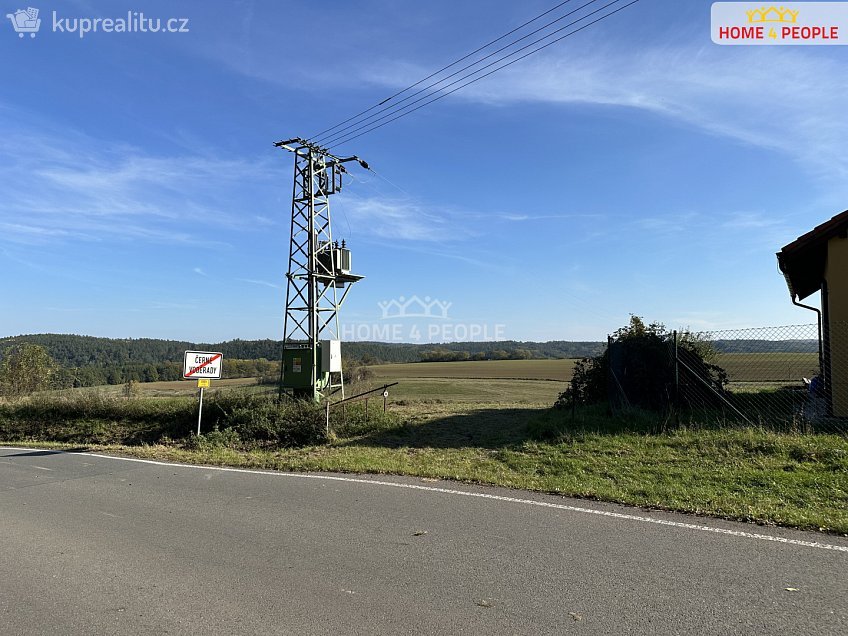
(518,217)
(33,232)
(409,219)
(785,99)
(264,283)
(64,186)
(402,219)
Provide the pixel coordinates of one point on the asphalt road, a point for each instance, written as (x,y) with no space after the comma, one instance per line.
(96,545)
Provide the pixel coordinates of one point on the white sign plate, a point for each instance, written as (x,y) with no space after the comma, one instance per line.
(203,364)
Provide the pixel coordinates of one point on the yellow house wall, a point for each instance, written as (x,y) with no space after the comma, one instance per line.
(836,275)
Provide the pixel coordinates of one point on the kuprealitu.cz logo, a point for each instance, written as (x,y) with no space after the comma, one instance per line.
(28,22)
(25,21)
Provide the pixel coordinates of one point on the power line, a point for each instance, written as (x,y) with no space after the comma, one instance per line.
(341,137)
(350,135)
(395,105)
(351,128)
(444,68)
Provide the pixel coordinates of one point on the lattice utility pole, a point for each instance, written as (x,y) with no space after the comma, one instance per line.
(319,276)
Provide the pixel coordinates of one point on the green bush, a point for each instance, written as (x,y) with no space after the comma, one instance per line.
(94,417)
(262,419)
(637,370)
(214,439)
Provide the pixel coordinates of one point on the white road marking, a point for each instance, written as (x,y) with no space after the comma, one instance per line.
(483,495)
(40,467)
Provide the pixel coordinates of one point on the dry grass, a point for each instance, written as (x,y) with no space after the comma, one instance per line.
(176,388)
(461,391)
(559,370)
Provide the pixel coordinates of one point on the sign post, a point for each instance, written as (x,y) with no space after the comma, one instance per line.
(202,384)
(205,366)
(199,408)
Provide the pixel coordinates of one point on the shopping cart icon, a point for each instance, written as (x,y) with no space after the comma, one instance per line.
(25,21)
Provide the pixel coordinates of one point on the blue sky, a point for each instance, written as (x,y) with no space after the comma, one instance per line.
(633,168)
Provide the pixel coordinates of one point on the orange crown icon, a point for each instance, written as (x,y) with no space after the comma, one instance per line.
(772,14)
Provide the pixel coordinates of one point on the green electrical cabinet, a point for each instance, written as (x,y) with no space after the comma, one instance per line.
(297,372)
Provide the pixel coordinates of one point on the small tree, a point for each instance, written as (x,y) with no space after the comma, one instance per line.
(131,389)
(356,371)
(26,368)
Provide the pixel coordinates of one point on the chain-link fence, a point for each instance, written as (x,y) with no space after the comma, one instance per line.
(782,378)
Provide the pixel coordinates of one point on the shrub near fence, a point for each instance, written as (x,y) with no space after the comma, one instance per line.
(773,377)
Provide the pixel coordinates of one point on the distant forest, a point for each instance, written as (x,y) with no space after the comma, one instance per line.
(91,361)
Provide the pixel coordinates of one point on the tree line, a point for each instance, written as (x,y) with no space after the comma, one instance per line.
(445,355)
(90,361)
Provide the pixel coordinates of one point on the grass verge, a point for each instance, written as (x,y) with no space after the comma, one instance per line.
(749,474)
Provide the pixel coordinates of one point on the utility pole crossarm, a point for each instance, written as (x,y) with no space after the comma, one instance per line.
(297,143)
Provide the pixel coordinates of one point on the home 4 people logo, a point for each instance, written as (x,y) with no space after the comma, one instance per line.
(25,21)
(414,307)
(818,23)
(419,319)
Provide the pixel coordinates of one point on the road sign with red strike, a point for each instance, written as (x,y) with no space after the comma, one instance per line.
(203,364)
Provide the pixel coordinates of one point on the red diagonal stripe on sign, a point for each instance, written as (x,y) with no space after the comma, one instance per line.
(196,369)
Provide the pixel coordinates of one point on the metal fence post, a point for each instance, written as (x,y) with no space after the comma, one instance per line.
(573,399)
(676,383)
(610,376)
(200,411)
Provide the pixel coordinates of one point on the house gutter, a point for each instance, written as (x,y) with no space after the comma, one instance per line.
(819,317)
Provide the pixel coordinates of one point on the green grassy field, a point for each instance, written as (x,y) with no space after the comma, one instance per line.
(786,368)
(471,422)
(535,381)
(467,390)
(525,382)
(740,367)
(170,389)
(485,369)
(410,389)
